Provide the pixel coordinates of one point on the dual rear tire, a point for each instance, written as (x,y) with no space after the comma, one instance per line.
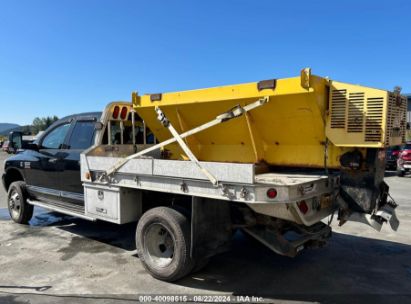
(163,240)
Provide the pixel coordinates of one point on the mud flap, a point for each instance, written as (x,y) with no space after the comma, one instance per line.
(211,228)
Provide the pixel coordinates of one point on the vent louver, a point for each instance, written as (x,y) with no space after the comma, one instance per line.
(396,117)
(365,117)
(373,122)
(338,109)
(355,112)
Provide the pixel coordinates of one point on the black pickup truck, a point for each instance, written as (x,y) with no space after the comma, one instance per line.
(49,169)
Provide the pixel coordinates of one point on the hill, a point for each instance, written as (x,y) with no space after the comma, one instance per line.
(7,126)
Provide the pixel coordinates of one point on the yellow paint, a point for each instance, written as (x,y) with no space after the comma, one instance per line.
(374,114)
(255,138)
(289,130)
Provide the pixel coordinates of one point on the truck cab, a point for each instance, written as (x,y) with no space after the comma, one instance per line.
(50,166)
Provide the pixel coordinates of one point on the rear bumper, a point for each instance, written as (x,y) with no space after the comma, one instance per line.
(404,165)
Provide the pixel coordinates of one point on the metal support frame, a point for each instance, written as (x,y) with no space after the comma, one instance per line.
(184,146)
(233,113)
(276,239)
(144,133)
(121,132)
(109,132)
(133,123)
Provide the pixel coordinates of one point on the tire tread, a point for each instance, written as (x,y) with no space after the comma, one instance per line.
(181,228)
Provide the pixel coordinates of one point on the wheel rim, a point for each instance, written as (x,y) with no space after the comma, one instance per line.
(159,245)
(15,204)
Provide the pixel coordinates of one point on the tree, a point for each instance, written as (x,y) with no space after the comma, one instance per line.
(37,125)
(26,129)
(40,124)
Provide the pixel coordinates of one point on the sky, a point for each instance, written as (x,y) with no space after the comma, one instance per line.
(71,56)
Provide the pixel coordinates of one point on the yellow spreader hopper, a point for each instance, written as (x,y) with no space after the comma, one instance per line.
(308,121)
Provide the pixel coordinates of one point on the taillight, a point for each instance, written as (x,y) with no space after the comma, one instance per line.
(271,193)
(123,114)
(303,207)
(406,155)
(115,112)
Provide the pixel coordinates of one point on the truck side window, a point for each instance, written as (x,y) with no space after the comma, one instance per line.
(82,135)
(56,137)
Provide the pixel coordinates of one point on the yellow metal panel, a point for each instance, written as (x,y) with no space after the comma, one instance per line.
(290,130)
(365,117)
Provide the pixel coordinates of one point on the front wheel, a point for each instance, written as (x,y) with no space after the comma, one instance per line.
(20,211)
(163,243)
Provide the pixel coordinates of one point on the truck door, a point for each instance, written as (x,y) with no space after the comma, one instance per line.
(44,173)
(81,137)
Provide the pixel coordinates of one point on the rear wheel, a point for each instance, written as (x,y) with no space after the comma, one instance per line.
(163,243)
(20,211)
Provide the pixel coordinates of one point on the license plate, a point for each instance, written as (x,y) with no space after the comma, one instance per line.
(407,166)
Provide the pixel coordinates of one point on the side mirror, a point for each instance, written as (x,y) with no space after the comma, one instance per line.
(15,140)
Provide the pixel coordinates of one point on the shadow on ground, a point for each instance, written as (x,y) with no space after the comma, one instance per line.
(395,173)
(350,268)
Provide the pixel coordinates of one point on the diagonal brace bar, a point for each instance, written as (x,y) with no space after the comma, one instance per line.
(183,145)
(233,113)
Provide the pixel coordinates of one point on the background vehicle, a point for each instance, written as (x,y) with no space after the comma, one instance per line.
(274,158)
(6,147)
(392,156)
(404,160)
